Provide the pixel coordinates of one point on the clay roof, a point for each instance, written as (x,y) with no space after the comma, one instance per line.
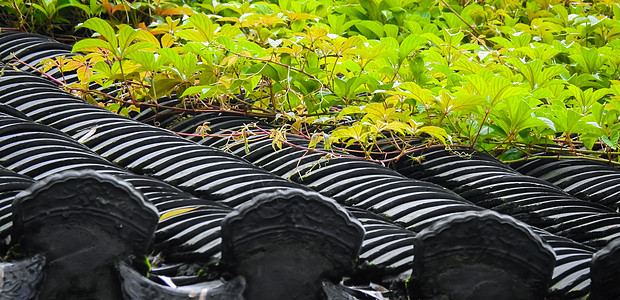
(443,222)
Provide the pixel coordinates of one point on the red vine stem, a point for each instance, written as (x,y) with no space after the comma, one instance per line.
(262,131)
(139,104)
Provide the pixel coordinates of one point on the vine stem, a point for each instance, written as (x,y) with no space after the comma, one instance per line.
(561,157)
(305,136)
(137,103)
(460,18)
(268,60)
(486,115)
(182,109)
(262,131)
(475,33)
(38,71)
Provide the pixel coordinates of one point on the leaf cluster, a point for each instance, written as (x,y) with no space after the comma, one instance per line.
(377,77)
(58,18)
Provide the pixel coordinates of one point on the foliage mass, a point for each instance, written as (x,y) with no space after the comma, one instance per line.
(372,78)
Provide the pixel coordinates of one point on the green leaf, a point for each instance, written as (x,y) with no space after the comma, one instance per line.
(193,90)
(337,24)
(588,60)
(315,139)
(352,12)
(512,154)
(103,28)
(520,39)
(585,99)
(410,44)
(453,39)
(147,60)
(464,102)
(514,115)
(535,72)
(433,39)
(562,13)
(491,87)
(91,43)
(205,28)
(543,52)
(226,41)
(503,42)
(349,110)
(371,29)
(85,8)
(434,131)
(138,46)
(414,91)
(612,140)
(126,36)
(391,30)
(40,8)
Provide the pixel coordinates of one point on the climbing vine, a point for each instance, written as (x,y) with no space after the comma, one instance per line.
(374,78)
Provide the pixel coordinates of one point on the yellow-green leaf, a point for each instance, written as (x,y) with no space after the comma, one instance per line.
(91,43)
(103,28)
(315,139)
(434,131)
(176,212)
